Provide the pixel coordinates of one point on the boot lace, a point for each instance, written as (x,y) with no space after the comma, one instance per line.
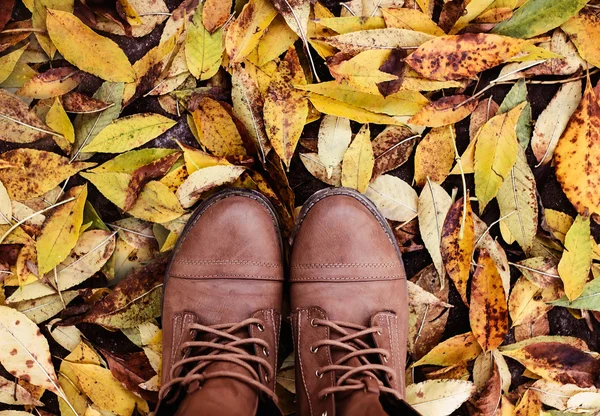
(223,346)
(351,377)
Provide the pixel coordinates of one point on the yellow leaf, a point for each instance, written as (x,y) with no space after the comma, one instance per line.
(403,18)
(103,389)
(203,50)
(61,230)
(396,199)
(24,351)
(315,30)
(206,179)
(245,32)
(377,39)
(58,120)
(129,132)
(529,405)
(333,107)
(559,223)
(362,71)
(38,20)
(401,103)
(434,156)
(132,16)
(52,83)
(458,243)
(87,50)
(584,30)
(333,140)
(197,159)
(575,152)
(445,58)
(462,347)
(358,162)
(9,61)
(23,184)
(285,108)
(216,129)
(277,39)
(488,311)
(575,263)
(444,111)
(439,397)
(525,305)
(130,161)
(495,154)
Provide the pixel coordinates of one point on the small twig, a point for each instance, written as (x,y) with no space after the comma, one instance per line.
(520,266)
(156,14)
(129,231)
(32,127)
(487,230)
(461,233)
(22,30)
(345,6)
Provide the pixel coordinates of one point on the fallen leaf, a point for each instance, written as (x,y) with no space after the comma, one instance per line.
(337,108)
(216,129)
(495,154)
(392,148)
(44,308)
(347,24)
(361,72)
(488,399)
(485,110)
(129,132)
(67,337)
(14,394)
(518,195)
(52,83)
(78,103)
(573,171)
(404,18)
(434,204)
(557,395)
(462,347)
(278,38)
(472,9)
(588,300)
(435,155)
(396,199)
(85,49)
(215,13)
(206,179)
(245,32)
(538,16)
(203,48)
(58,120)
(155,12)
(61,231)
(558,362)
(6,12)
(25,352)
(439,397)
(552,122)
(444,58)
(377,39)
(458,243)
(358,161)
(334,138)
(529,405)
(525,304)
(444,111)
(488,312)
(285,108)
(575,263)
(9,61)
(17,122)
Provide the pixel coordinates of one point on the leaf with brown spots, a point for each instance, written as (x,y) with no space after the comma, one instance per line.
(529,404)
(562,363)
(13,394)
(435,155)
(245,32)
(487,401)
(286,108)
(75,102)
(52,83)
(215,13)
(144,174)
(392,148)
(394,65)
(577,155)
(462,56)
(457,246)
(216,129)
(6,9)
(131,369)
(18,124)
(485,110)
(462,347)
(439,397)
(444,111)
(24,351)
(488,312)
(29,178)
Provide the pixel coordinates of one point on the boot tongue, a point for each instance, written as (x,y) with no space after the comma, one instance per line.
(222,396)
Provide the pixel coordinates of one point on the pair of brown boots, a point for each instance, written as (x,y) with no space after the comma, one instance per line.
(222,310)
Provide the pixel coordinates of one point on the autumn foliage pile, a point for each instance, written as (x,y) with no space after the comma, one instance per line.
(117,117)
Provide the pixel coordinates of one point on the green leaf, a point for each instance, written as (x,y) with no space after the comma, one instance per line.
(516,96)
(203,51)
(575,263)
(131,161)
(539,16)
(588,300)
(129,132)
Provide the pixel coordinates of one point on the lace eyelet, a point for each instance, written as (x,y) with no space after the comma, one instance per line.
(312,323)
(260,327)
(266,352)
(319,375)
(313,350)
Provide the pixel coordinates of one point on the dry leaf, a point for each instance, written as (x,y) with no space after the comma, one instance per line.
(17,122)
(334,138)
(216,129)
(439,397)
(392,148)
(435,155)
(575,263)
(444,111)
(206,179)
(244,33)
(358,161)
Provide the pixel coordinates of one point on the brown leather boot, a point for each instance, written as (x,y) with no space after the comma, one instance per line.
(350,309)
(222,310)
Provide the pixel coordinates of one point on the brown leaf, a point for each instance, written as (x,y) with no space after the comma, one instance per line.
(10,39)
(6,8)
(539,327)
(485,110)
(457,251)
(393,65)
(18,124)
(392,148)
(488,312)
(451,12)
(487,401)
(131,370)
(75,102)
(145,174)
(215,13)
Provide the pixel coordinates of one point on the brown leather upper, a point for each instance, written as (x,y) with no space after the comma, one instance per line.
(227,268)
(347,280)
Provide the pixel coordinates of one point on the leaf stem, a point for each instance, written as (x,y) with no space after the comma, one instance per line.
(32,127)
(461,233)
